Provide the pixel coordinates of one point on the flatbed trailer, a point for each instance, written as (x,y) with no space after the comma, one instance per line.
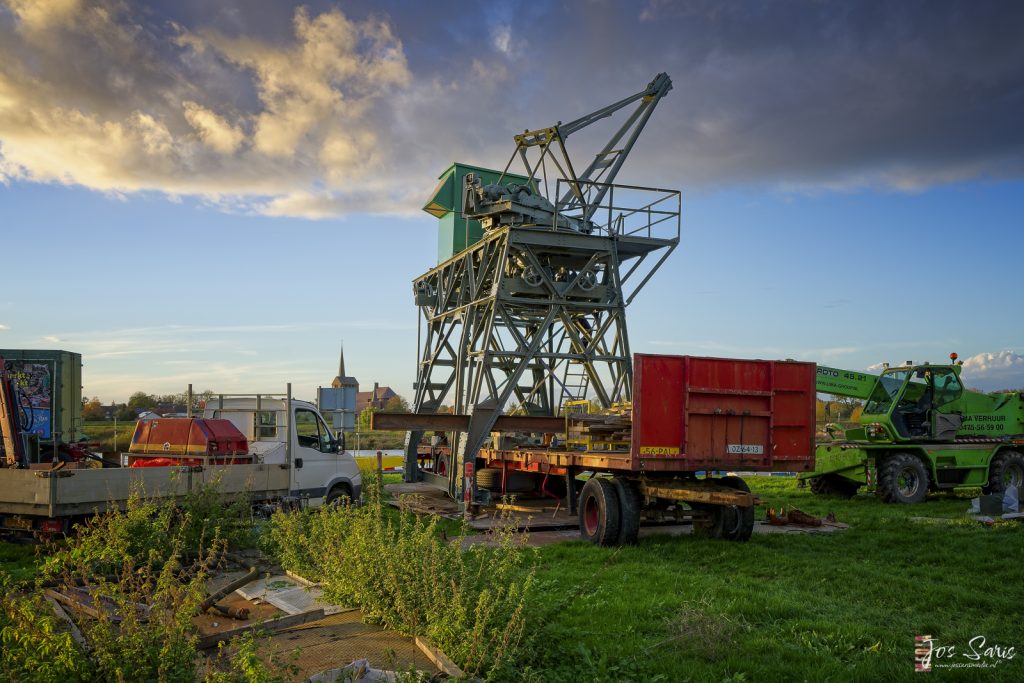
(48,500)
(691,420)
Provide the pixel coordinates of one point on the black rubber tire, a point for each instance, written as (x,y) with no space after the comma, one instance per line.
(518,482)
(744,515)
(630,506)
(724,521)
(599,512)
(340,496)
(489,478)
(902,478)
(833,485)
(1006,469)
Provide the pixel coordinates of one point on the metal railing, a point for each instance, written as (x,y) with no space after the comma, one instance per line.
(639,212)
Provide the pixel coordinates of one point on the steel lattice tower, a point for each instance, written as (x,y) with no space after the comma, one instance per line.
(533,314)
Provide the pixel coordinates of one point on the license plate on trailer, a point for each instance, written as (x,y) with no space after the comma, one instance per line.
(22,523)
(745,449)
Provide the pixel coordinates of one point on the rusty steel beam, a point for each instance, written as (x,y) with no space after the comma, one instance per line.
(697,493)
(459,423)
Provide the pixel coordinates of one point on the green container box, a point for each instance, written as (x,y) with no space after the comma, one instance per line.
(52,381)
(455,233)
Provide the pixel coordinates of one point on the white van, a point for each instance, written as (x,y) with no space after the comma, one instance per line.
(296,438)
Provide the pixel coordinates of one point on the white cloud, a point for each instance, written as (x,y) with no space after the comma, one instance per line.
(501,37)
(35,15)
(142,112)
(3,328)
(214,130)
(995,370)
(52,339)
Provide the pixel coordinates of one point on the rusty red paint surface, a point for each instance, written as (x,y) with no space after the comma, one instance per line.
(694,413)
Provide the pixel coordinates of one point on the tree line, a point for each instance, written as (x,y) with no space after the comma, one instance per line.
(140,401)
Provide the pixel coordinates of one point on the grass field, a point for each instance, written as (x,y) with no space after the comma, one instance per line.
(830,607)
(103,432)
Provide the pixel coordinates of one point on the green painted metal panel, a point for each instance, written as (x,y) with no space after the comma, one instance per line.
(455,233)
(845,382)
(52,381)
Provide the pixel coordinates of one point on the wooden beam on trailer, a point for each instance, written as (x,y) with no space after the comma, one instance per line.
(696,492)
(443,422)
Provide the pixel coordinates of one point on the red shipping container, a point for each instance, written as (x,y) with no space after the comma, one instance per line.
(693,413)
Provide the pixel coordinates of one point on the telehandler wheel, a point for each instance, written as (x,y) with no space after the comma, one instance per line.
(833,485)
(902,478)
(599,512)
(1005,470)
(744,515)
(630,505)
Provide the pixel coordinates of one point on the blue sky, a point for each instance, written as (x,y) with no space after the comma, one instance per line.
(221,196)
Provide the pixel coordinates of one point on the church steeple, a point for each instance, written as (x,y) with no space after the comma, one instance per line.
(341,360)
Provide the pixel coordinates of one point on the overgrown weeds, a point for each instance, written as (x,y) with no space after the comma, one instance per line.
(402,573)
(141,574)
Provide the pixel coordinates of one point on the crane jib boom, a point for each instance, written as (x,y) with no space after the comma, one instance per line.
(845,382)
(604,167)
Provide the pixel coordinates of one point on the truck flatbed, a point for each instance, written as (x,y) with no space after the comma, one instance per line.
(57,493)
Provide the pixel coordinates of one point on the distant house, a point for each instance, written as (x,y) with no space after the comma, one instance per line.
(113,409)
(166,409)
(377,398)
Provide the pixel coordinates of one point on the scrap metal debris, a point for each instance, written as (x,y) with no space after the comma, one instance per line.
(797,517)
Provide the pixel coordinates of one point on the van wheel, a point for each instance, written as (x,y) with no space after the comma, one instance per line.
(902,478)
(339,496)
(599,512)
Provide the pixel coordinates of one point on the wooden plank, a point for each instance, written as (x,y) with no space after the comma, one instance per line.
(63,616)
(76,605)
(270,626)
(439,659)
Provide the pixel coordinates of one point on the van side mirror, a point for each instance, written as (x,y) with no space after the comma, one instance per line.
(339,443)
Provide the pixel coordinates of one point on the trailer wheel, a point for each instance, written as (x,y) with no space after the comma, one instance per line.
(722,523)
(833,485)
(1005,470)
(744,515)
(630,504)
(599,512)
(902,478)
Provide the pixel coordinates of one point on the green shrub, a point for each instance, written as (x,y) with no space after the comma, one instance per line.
(147,568)
(401,572)
(34,646)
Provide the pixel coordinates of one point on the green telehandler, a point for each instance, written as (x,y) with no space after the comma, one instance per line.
(920,430)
